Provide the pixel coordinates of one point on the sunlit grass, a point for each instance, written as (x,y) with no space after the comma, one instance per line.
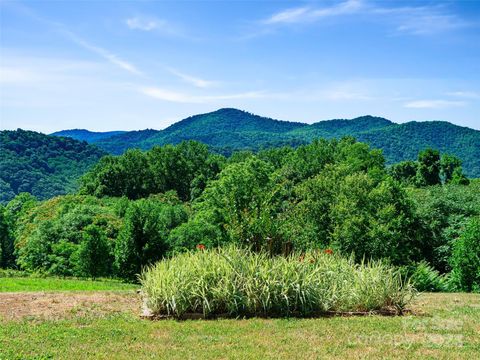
(447,328)
(20,284)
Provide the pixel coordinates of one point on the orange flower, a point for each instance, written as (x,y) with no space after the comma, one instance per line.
(328,251)
(201,247)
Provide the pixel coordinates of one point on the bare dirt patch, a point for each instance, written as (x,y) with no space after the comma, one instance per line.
(62,305)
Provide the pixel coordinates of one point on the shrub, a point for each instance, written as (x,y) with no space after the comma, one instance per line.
(93,257)
(425,278)
(238,282)
(49,235)
(143,238)
(466,257)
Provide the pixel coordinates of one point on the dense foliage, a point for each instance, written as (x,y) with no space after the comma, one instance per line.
(135,209)
(237,282)
(85,135)
(228,130)
(466,257)
(185,168)
(430,169)
(42,165)
(443,212)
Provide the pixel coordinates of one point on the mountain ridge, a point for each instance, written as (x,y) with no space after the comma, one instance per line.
(87,135)
(229,129)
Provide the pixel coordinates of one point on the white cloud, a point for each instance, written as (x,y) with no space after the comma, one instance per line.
(413,20)
(434,104)
(419,23)
(180,97)
(288,16)
(107,55)
(151,24)
(137,23)
(192,80)
(306,14)
(465,94)
(63,30)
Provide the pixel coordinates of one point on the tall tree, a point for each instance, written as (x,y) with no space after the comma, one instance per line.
(93,257)
(428,171)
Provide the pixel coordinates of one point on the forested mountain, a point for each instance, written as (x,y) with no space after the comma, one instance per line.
(226,130)
(341,127)
(403,141)
(42,165)
(86,135)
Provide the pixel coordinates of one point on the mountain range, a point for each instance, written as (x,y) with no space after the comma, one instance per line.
(42,165)
(227,130)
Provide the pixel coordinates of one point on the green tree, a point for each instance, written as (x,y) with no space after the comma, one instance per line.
(448,164)
(93,257)
(48,236)
(127,175)
(466,257)
(428,171)
(143,238)
(404,171)
(374,220)
(458,177)
(7,258)
(239,202)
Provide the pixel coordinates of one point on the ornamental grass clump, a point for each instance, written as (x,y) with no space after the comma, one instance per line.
(235,282)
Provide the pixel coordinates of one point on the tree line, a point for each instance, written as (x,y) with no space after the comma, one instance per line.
(135,209)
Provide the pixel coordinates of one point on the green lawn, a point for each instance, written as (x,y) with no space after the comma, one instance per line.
(445,326)
(20,284)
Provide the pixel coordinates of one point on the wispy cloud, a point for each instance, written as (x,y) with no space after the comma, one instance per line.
(137,23)
(152,24)
(63,30)
(192,80)
(181,97)
(104,53)
(465,94)
(309,14)
(434,104)
(413,20)
(423,20)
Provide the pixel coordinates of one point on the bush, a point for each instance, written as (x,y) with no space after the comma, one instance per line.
(94,255)
(49,235)
(466,257)
(143,238)
(237,282)
(425,278)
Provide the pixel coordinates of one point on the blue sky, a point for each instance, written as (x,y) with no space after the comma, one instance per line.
(146,64)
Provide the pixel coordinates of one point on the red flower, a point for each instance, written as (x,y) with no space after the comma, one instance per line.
(328,251)
(201,247)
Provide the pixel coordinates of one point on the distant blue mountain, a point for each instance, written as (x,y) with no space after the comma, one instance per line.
(86,135)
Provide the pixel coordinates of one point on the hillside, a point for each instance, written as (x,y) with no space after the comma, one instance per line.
(41,164)
(403,141)
(230,129)
(85,135)
(225,128)
(342,127)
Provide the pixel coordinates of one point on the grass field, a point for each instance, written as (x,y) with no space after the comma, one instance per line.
(106,325)
(18,284)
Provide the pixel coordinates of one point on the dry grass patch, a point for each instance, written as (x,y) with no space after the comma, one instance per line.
(65,305)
